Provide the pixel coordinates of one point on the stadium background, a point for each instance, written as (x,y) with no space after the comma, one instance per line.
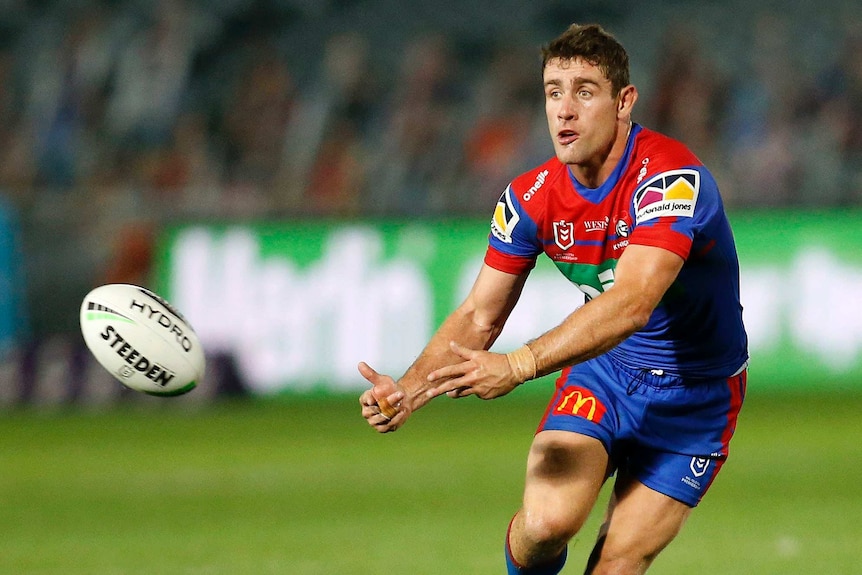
(310,182)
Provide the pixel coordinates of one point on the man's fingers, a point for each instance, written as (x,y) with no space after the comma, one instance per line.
(450,371)
(449,386)
(387,408)
(367,398)
(386,425)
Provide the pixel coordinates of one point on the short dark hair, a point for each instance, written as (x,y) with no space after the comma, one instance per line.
(593,44)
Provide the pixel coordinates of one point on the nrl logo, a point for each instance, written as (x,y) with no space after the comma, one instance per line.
(564,234)
(699,466)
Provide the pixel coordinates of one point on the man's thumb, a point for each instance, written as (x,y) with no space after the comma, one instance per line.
(367,372)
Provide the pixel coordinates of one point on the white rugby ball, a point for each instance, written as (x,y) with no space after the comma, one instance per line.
(142,340)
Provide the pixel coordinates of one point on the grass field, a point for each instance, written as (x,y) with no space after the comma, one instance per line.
(301,486)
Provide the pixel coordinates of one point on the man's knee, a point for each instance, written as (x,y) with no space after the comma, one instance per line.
(548,528)
(565,473)
(537,541)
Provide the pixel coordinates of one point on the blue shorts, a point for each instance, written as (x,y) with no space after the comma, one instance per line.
(670,433)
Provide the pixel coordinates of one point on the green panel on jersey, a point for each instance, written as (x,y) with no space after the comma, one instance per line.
(590,278)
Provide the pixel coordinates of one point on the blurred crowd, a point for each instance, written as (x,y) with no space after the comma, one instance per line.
(117,116)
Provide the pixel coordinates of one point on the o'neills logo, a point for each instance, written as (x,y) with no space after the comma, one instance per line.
(580,402)
(540,179)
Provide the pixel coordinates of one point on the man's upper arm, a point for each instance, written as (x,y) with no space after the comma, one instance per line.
(646,273)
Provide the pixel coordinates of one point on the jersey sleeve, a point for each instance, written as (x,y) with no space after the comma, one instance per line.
(512,244)
(672,207)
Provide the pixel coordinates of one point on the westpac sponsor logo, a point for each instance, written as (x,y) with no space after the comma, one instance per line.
(596,225)
(564,234)
(580,402)
(505,217)
(672,193)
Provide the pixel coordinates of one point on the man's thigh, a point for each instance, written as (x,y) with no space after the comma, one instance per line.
(565,473)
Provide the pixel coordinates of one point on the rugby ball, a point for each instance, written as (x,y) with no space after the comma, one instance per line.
(142,340)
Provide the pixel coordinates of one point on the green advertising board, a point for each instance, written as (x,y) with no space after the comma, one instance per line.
(801,275)
(299,303)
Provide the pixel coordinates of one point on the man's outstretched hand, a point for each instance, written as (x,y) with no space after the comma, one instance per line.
(383,405)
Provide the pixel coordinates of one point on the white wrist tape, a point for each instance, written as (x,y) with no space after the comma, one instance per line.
(523,363)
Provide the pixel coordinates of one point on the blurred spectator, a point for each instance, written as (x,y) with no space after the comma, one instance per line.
(16,166)
(151,76)
(337,177)
(187,172)
(417,148)
(254,123)
(839,120)
(323,170)
(507,104)
(689,92)
(131,256)
(66,96)
(762,118)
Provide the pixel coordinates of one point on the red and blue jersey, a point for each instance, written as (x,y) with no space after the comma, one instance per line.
(659,195)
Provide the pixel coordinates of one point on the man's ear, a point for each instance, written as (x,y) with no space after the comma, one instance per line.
(626,101)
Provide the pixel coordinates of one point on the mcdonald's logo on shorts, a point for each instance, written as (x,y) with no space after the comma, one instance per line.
(580,402)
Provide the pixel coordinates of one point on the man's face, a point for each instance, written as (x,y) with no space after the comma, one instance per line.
(581,111)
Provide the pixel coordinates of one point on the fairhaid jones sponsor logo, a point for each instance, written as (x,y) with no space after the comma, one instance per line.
(672,193)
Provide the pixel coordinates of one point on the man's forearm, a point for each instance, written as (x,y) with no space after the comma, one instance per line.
(459,327)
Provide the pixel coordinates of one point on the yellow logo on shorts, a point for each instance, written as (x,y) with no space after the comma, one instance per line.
(580,402)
